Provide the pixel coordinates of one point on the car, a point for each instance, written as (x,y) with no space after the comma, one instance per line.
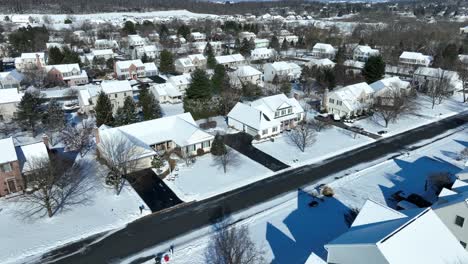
(381,132)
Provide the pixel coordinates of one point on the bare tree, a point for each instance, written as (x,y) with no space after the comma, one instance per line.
(121,156)
(440,88)
(463,73)
(227,158)
(318,125)
(54,185)
(393,105)
(79,137)
(464,154)
(302,136)
(232,245)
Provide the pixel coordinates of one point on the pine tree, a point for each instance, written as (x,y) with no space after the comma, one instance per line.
(54,119)
(374,69)
(183,31)
(55,56)
(218,148)
(70,56)
(285,87)
(166,63)
(218,79)
(200,87)
(129,28)
(126,114)
(29,110)
(149,105)
(145,58)
(245,48)
(274,43)
(285,45)
(210,57)
(103,110)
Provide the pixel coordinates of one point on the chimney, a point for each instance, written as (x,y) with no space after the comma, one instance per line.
(325,100)
(45,139)
(96,135)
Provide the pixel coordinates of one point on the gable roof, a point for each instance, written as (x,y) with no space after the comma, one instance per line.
(350,94)
(8,153)
(10,96)
(64,67)
(247,70)
(229,58)
(252,117)
(29,153)
(127,63)
(116,86)
(391,82)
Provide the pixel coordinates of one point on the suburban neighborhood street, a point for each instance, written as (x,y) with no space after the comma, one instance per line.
(170,223)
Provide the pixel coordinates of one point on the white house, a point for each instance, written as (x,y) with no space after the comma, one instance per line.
(9,100)
(151,52)
(129,69)
(105,44)
(30,61)
(284,70)
(68,74)
(104,54)
(381,235)
(320,63)
(426,78)
(190,63)
(117,91)
(198,60)
(246,74)
(261,43)
(10,79)
(363,52)
(87,97)
(166,93)
(181,82)
(151,69)
(389,86)
(288,36)
(262,54)
(162,134)
(267,116)
(136,41)
(247,35)
(350,100)
(414,59)
(230,61)
(323,51)
(197,36)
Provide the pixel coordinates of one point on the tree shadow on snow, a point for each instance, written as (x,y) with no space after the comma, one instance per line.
(309,229)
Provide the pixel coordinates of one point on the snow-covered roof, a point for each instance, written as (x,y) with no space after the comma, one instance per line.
(389,83)
(321,62)
(354,64)
(246,71)
(414,56)
(116,86)
(283,66)
(63,68)
(436,72)
(366,49)
(185,62)
(351,94)
(323,46)
(262,51)
(229,58)
(270,104)
(8,153)
(252,117)
(150,66)
(166,89)
(102,52)
(28,154)
(14,73)
(373,211)
(32,55)
(10,96)
(181,129)
(127,63)
(183,79)
(199,57)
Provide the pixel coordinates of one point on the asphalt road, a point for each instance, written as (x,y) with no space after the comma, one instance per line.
(165,225)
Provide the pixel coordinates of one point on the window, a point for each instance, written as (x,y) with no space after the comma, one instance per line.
(6,167)
(463,244)
(125,94)
(459,221)
(276,114)
(289,111)
(115,95)
(332,101)
(283,112)
(265,131)
(274,129)
(206,144)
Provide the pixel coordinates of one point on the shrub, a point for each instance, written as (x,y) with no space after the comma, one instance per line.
(200,152)
(350,216)
(328,191)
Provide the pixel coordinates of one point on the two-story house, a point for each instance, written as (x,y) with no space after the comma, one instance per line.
(30,61)
(363,52)
(135,41)
(350,100)
(129,69)
(197,36)
(262,54)
(323,51)
(9,100)
(10,79)
(117,91)
(184,65)
(230,61)
(267,116)
(284,70)
(151,52)
(415,59)
(68,74)
(105,44)
(181,82)
(246,74)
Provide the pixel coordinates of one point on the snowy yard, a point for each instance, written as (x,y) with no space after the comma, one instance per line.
(205,178)
(424,115)
(288,230)
(103,211)
(329,142)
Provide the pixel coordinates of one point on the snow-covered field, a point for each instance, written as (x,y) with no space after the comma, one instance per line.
(329,142)
(103,211)
(289,231)
(206,178)
(424,115)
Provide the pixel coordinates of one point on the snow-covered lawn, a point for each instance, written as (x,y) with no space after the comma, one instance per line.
(172,109)
(424,115)
(205,177)
(329,142)
(289,231)
(103,211)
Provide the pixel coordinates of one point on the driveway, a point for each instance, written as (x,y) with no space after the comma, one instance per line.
(242,142)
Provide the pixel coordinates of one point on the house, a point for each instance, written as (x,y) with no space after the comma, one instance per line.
(151,69)
(320,63)
(261,43)
(247,35)
(425,78)
(288,36)
(381,235)
(129,69)
(87,97)
(99,54)
(284,70)
(60,46)
(267,116)
(389,86)
(151,52)
(10,79)
(363,52)
(68,74)
(117,91)
(190,63)
(323,51)
(178,132)
(197,36)
(105,44)
(135,41)
(198,60)
(22,20)
(246,74)
(166,93)
(15,164)
(230,61)
(30,61)
(9,100)
(414,59)
(262,54)
(350,100)
(181,82)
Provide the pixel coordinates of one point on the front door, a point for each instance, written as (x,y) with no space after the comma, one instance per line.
(11,185)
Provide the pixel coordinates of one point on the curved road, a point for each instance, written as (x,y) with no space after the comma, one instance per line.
(163,226)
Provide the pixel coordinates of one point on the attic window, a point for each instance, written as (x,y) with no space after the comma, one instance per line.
(266,117)
(459,221)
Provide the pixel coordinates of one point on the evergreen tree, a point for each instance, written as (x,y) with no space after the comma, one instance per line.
(218,78)
(127,114)
(245,48)
(166,63)
(54,119)
(237,45)
(200,87)
(149,105)
(30,110)
(55,56)
(183,31)
(210,57)
(145,58)
(374,69)
(285,88)
(274,43)
(129,28)
(70,56)
(285,45)
(218,148)
(103,110)
(163,32)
